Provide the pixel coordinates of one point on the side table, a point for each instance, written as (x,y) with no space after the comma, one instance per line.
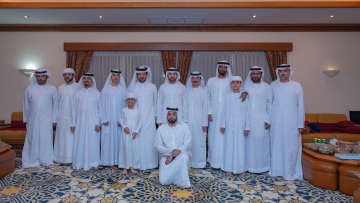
(7,159)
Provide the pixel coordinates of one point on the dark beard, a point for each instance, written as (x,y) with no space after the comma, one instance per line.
(172,79)
(222,73)
(172,121)
(255,80)
(69,80)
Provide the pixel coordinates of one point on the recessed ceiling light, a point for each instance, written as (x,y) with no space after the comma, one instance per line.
(25,17)
(331,16)
(100,16)
(254,16)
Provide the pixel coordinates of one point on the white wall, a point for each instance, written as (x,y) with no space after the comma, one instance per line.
(313,52)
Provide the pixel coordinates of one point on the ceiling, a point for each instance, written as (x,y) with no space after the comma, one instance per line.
(208,15)
(42,16)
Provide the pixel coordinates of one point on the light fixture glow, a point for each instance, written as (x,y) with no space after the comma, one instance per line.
(100,16)
(331,72)
(25,17)
(254,16)
(331,16)
(29,70)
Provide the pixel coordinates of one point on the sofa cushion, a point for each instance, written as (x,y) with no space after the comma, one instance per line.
(345,123)
(311,117)
(17,124)
(331,117)
(328,127)
(313,127)
(353,129)
(17,120)
(342,125)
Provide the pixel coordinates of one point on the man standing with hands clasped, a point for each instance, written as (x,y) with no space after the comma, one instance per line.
(287,121)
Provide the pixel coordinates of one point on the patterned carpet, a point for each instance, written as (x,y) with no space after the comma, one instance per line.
(62,184)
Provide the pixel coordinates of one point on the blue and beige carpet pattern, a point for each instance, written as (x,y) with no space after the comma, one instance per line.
(60,183)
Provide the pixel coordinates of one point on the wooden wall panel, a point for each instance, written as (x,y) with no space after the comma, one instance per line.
(178,46)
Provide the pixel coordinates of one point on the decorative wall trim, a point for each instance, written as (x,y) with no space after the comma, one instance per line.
(182,28)
(179,4)
(178,46)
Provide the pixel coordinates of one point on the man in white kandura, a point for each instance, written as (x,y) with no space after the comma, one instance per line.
(112,101)
(258,140)
(173,142)
(85,123)
(217,87)
(147,94)
(196,115)
(64,137)
(39,113)
(170,94)
(287,121)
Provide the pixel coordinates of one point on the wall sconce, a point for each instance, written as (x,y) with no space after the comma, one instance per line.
(27,72)
(331,73)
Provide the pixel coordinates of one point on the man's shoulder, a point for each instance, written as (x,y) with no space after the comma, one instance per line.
(212,79)
(295,82)
(180,84)
(184,125)
(264,84)
(151,85)
(52,87)
(62,85)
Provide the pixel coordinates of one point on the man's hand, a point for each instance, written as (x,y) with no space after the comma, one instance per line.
(176,152)
(106,123)
(267,126)
(72,128)
(204,128)
(134,135)
(119,124)
(243,96)
(246,133)
(159,124)
(300,130)
(210,117)
(127,130)
(169,159)
(222,130)
(97,128)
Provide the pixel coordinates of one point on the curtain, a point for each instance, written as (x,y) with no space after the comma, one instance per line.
(184,61)
(79,61)
(168,59)
(275,58)
(240,62)
(126,61)
(203,61)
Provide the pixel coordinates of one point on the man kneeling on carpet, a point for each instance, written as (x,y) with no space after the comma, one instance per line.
(173,141)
